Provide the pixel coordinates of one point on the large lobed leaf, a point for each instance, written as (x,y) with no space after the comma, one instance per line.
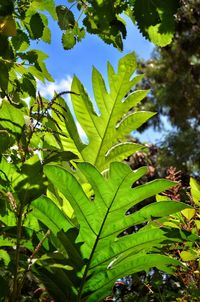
(106,130)
(107,256)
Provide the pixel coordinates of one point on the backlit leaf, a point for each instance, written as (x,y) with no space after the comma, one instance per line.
(68,39)
(188,213)
(188,256)
(195,190)
(108,256)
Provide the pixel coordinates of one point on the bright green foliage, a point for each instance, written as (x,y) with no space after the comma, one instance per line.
(102,256)
(68,39)
(105,130)
(195,191)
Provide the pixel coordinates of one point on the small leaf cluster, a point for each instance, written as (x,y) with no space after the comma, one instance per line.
(155,20)
(67,23)
(20,22)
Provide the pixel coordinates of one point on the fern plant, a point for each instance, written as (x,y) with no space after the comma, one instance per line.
(99,255)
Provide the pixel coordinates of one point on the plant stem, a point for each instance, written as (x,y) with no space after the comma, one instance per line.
(15,293)
(36,250)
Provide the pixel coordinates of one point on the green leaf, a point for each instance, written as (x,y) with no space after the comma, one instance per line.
(195,190)
(47,212)
(188,213)
(103,18)
(121,151)
(197,222)
(188,256)
(102,283)
(102,219)
(4,256)
(36,26)
(65,17)
(11,118)
(4,47)
(27,179)
(105,129)
(47,5)
(62,115)
(20,41)
(4,78)
(29,84)
(156,21)
(162,197)
(133,121)
(7,242)
(46,36)
(6,141)
(68,39)
(39,69)
(80,33)
(30,181)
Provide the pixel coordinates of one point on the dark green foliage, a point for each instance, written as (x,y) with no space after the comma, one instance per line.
(6,7)
(173,75)
(65,17)
(4,78)
(156,22)
(36,26)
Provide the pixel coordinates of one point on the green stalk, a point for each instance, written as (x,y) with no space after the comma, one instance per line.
(15,293)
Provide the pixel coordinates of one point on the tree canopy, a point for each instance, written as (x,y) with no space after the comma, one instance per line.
(173,75)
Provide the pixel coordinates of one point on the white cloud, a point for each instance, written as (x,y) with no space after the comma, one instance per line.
(47,90)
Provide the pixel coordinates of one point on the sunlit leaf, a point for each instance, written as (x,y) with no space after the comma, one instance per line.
(195,190)
(188,213)
(108,256)
(188,256)
(68,39)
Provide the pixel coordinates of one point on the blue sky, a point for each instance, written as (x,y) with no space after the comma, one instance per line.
(90,51)
(63,64)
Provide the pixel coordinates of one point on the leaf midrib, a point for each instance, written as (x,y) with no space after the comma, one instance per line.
(108,122)
(96,242)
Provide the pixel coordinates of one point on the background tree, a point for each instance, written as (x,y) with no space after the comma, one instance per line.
(173,75)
